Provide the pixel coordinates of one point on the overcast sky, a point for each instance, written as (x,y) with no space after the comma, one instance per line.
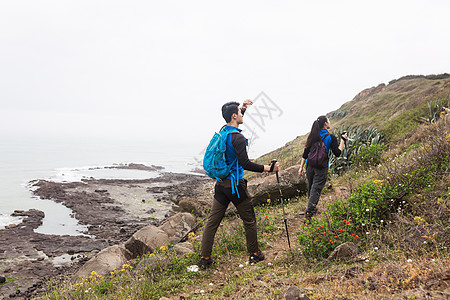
(158,69)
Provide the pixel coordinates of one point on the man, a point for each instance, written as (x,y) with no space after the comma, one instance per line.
(226,191)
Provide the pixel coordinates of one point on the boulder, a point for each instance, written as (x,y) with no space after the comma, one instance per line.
(104,262)
(294,293)
(186,245)
(264,188)
(146,240)
(344,251)
(195,206)
(161,262)
(181,251)
(178,226)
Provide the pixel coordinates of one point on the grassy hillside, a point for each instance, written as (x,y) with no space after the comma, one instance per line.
(396,109)
(396,212)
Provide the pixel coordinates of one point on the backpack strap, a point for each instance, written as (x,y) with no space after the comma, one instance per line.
(234,177)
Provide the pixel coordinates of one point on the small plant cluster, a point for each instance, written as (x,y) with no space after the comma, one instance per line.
(337,114)
(268,224)
(97,284)
(323,237)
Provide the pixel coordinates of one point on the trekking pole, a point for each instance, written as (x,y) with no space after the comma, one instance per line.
(282,205)
(348,167)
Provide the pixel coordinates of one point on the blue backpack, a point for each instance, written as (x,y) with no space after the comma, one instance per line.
(214,162)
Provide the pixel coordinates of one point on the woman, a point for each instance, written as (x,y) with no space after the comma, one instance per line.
(317,176)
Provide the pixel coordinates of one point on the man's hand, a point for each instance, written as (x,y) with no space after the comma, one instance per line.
(246,103)
(275,168)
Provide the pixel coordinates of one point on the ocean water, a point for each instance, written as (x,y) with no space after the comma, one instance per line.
(63,159)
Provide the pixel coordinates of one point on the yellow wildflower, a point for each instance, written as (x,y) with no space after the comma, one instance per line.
(268,201)
(378,182)
(419,220)
(163,248)
(191,235)
(153,254)
(448,138)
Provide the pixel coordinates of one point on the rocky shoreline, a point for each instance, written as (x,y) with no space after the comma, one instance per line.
(112,210)
(116,213)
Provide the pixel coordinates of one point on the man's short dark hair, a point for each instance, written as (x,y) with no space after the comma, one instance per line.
(228,109)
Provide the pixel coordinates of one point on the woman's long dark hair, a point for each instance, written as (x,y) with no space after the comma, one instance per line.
(314,135)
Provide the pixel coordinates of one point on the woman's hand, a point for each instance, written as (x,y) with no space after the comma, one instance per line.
(301,171)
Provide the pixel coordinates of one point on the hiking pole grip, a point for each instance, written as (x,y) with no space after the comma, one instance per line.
(272,166)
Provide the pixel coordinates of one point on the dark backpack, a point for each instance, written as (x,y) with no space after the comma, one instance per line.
(318,155)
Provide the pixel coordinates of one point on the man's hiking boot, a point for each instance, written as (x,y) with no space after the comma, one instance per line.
(205,263)
(256,257)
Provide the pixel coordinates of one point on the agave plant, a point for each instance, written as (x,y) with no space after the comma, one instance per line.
(357,137)
(434,110)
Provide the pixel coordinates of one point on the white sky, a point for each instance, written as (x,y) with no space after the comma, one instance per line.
(164,68)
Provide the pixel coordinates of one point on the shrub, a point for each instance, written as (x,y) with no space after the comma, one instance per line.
(369,156)
(322,236)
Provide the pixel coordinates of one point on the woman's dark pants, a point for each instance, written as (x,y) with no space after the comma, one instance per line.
(316,181)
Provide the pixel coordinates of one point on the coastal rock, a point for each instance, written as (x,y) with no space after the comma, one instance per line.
(104,262)
(146,240)
(33,218)
(294,293)
(134,166)
(344,251)
(178,226)
(264,188)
